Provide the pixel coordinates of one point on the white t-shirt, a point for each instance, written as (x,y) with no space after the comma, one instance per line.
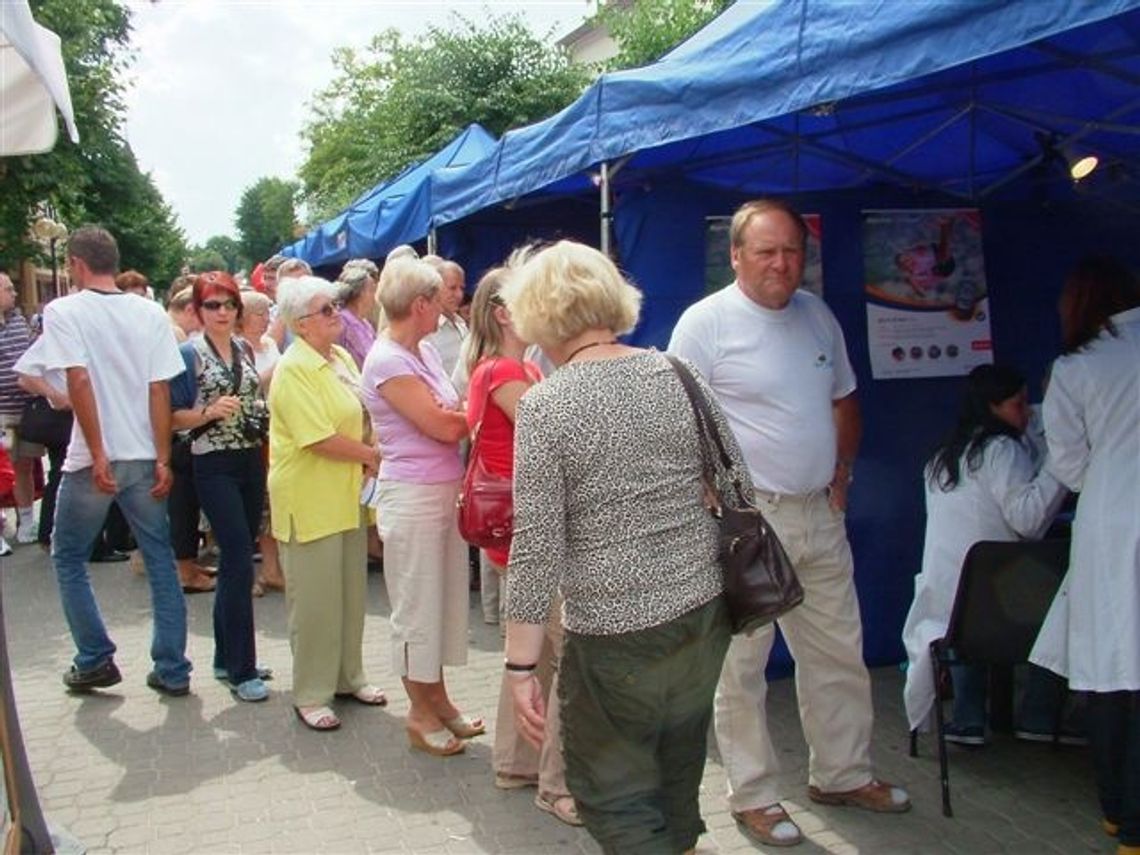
(448,340)
(126,343)
(776,374)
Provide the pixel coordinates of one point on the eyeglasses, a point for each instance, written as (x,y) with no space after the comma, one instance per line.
(328,310)
(215,305)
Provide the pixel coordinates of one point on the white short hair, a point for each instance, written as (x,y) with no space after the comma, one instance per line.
(294,296)
(401,281)
(401,251)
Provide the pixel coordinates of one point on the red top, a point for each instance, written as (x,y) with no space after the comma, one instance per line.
(497,435)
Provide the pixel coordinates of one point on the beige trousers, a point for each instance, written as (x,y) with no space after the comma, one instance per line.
(513,755)
(325,590)
(825,637)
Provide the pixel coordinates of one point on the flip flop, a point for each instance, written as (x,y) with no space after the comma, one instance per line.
(439,743)
(465,726)
(318,718)
(368,694)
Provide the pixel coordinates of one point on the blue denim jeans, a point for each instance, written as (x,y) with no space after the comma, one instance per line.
(79,513)
(231,488)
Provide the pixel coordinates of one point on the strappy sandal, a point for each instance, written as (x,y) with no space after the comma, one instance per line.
(368,694)
(563,808)
(465,726)
(440,743)
(318,718)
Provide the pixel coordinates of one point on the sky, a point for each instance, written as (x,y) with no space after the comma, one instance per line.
(220,88)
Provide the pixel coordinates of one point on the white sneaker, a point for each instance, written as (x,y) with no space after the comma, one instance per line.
(27,534)
(5,548)
(7,525)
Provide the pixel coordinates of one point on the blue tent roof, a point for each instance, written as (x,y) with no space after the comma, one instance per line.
(391,213)
(801,95)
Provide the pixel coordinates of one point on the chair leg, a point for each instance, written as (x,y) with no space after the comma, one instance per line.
(943,765)
(914,743)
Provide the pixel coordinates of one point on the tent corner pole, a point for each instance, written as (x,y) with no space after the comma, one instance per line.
(432,241)
(606,214)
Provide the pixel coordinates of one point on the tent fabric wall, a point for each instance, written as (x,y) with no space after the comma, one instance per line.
(661,244)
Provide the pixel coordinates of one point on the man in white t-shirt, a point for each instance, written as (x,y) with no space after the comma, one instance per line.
(448,337)
(119,353)
(776,359)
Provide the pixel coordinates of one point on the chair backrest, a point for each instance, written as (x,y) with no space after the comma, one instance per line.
(1003,594)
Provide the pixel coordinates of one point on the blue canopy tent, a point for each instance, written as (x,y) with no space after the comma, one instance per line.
(847,106)
(393,212)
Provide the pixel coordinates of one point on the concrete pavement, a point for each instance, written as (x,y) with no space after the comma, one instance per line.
(127,771)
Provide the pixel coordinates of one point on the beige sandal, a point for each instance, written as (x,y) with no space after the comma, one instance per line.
(317,718)
(563,808)
(465,726)
(367,694)
(439,743)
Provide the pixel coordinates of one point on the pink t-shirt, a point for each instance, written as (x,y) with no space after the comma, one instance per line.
(407,454)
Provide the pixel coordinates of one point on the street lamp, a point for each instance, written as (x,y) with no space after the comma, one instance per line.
(47,230)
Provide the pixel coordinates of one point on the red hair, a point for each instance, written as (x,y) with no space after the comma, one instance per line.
(214,282)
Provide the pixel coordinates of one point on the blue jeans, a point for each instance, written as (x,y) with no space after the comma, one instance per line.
(231,489)
(79,514)
(1044,694)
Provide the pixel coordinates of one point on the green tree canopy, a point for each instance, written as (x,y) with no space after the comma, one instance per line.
(399,101)
(224,252)
(98,180)
(647,29)
(266,217)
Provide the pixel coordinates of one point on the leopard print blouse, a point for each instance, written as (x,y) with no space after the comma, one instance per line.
(608,498)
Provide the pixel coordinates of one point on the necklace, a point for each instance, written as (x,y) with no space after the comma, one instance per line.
(587,346)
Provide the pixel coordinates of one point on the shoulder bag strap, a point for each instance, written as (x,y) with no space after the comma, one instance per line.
(707,426)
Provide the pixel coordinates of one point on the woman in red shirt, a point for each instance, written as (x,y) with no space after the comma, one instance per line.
(500,375)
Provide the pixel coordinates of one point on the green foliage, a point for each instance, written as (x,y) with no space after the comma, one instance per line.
(225,248)
(646,29)
(399,101)
(98,180)
(266,217)
(203,259)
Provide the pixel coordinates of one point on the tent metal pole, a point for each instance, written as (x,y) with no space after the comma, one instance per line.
(606,212)
(432,241)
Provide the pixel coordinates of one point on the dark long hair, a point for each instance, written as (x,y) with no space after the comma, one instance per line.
(986,385)
(1096,289)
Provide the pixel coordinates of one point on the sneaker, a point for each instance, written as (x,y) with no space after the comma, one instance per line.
(975,736)
(99,677)
(263,673)
(5,547)
(156,682)
(251,690)
(1065,737)
(27,535)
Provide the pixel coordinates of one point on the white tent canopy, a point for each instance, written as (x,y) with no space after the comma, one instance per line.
(33,83)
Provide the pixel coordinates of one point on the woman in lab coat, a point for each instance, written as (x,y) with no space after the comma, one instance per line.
(1092,425)
(981,484)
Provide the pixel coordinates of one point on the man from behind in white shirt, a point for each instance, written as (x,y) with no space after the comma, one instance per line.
(118,351)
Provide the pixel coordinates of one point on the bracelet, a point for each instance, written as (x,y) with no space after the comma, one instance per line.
(516,667)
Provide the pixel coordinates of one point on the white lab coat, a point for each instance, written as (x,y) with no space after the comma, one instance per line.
(1005,498)
(1092,424)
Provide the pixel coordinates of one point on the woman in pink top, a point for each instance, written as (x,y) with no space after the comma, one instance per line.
(416,415)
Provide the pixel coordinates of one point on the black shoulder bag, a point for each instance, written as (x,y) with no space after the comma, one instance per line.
(760,582)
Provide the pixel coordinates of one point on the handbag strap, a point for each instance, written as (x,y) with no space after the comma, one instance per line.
(711,438)
(478,429)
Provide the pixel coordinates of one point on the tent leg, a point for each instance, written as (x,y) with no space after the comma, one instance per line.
(606,215)
(432,242)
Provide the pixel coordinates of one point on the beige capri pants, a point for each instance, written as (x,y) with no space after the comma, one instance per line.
(425,572)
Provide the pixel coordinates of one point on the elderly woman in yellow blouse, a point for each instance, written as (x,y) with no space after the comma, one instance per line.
(415,411)
(317,457)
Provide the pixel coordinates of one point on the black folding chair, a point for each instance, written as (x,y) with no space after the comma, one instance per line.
(1003,595)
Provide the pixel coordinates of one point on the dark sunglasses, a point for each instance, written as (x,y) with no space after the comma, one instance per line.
(328,310)
(214,305)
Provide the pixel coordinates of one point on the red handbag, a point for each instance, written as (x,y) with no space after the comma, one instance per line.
(486,500)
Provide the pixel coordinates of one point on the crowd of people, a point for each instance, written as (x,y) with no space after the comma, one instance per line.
(313,424)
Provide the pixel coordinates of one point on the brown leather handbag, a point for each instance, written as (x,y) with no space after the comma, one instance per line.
(760,583)
(485,507)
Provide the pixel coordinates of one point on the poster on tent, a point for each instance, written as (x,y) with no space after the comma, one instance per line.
(928,311)
(718,264)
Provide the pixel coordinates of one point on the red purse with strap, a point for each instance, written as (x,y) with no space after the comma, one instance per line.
(486,500)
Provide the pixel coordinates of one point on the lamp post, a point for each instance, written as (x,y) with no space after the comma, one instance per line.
(47,230)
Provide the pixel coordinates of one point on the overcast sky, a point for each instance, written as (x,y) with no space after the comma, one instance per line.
(221,86)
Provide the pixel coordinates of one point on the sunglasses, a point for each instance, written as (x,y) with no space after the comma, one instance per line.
(328,310)
(215,305)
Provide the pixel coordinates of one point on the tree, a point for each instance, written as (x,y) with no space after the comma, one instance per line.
(647,29)
(399,101)
(230,251)
(266,217)
(202,259)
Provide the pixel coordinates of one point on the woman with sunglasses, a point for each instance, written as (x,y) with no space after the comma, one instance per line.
(218,401)
(318,454)
(416,415)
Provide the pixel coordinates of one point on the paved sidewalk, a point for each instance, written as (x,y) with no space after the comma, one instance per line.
(127,771)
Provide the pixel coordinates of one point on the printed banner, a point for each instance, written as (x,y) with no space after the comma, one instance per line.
(718,263)
(927,302)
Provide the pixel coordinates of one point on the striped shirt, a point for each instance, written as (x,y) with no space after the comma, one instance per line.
(15,338)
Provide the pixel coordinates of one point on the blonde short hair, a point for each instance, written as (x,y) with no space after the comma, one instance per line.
(401,282)
(559,292)
(255,301)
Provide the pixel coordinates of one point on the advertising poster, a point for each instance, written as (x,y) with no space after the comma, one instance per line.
(718,264)
(927,303)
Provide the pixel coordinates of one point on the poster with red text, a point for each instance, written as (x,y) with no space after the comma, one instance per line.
(928,309)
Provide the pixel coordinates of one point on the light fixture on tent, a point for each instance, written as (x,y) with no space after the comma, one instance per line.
(1080,165)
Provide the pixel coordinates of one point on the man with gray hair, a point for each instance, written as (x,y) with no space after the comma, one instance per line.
(119,353)
(448,337)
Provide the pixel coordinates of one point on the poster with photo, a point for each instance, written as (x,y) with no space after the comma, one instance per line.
(718,264)
(927,302)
